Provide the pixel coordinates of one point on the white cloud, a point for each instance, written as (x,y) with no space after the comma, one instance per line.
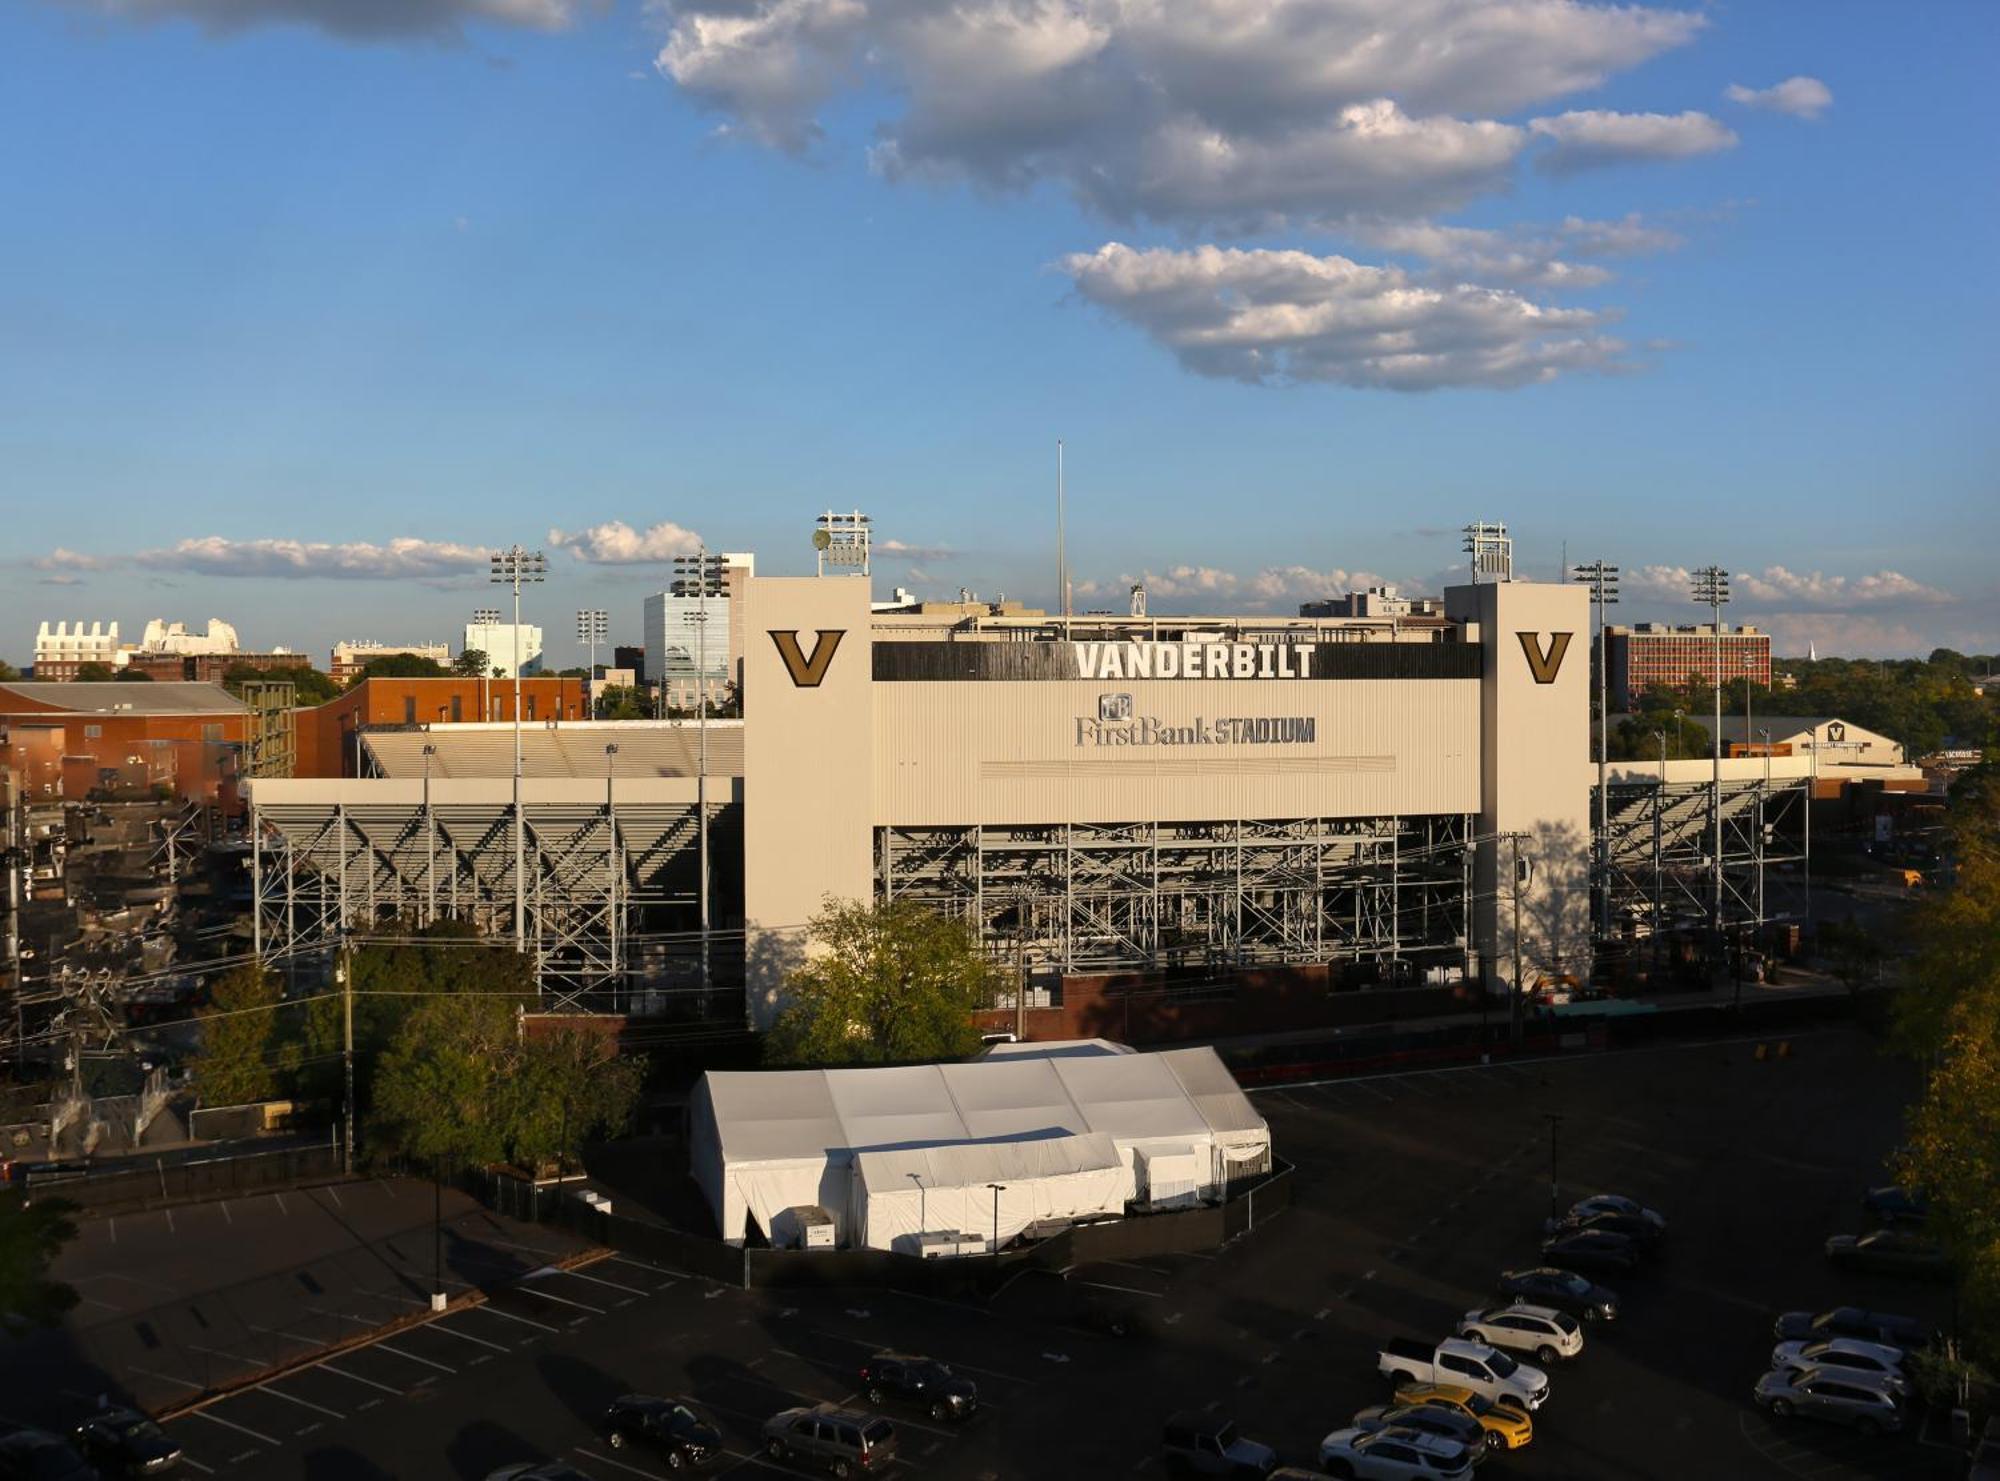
(1187,111)
(1519,257)
(1268,316)
(1801,97)
(901,550)
(61,559)
(615,543)
(355,20)
(1592,138)
(216,555)
(1779,587)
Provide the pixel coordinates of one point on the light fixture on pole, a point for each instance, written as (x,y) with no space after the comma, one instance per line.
(592,628)
(1602,579)
(1711,589)
(700,575)
(511,567)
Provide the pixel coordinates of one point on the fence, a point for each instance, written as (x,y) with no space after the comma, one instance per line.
(133,1187)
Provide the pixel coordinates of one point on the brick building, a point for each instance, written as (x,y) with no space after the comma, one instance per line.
(120,740)
(1654,655)
(326,734)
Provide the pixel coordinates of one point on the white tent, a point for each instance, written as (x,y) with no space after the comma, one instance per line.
(767,1141)
(918,1190)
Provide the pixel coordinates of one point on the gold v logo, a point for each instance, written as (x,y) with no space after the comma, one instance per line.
(1544,665)
(806,672)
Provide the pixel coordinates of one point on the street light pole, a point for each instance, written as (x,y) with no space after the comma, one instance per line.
(1711,588)
(923,1203)
(1555,1120)
(612,869)
(998,1189)
(430,845)
(437,1235)
(511,567)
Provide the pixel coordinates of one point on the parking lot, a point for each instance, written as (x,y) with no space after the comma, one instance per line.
(1413,1192)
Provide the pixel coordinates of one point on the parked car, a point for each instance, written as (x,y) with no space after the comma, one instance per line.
(124,1442)
(1565,1290)
(1644,1234)
(1394,1455)
(1894,1205)
(1506,1425)
(1844,1352)
(1890,1252)
(845,1442)
(921,1382)
(37,1455)
(1853,1321)
(1426,1419)
(537,1470)
(1199,1444)
(669,1428)
(1474,1365)
(1837,1395)
(1591,1249)
(1549,1334)
(1618,1203)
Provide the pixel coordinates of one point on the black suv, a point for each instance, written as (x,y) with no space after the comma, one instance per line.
(846,1442)
(667,1427)
(124,1442)
(1199,1444)
(1565,1290)
(923,1382)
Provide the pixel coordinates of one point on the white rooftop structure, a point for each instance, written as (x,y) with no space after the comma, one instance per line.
(766,1142)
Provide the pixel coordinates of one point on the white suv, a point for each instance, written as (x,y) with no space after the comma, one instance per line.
(1542,1330)
(1395,1455)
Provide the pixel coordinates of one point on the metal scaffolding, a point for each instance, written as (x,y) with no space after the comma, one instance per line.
(1092,897)
(602,885)
(1659,860)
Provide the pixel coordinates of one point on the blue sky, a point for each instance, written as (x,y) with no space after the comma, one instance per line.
(286,281)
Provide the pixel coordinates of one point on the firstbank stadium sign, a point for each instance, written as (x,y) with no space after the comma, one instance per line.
(1193,660)
(1117,725)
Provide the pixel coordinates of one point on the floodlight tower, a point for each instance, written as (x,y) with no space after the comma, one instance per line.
(1711,589)
(1602,578)
(700,575)
(512,567)
(592,628)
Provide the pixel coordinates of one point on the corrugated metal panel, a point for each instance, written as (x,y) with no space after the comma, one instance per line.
(949,754)
(989,662)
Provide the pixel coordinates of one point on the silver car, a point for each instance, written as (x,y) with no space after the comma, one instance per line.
(1864,1401)
(1847,1353)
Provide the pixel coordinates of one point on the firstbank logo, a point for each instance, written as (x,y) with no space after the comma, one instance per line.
(1544,664)
(1113,708)
(806,671)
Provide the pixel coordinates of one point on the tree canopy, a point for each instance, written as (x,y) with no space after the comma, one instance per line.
(1948,1017)
(31,1236)
(237,1060)
(620,703)
(883,983)
(402,666)
(471,664)
(94,672)
(312,686)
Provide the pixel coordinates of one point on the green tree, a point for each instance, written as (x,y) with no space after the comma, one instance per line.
(1948,1017)
(402,666)
(31,1236)
(569,1086)
(131,676)
(8,673)
(237,1061)
(444,1074)
(470,664)
(311,686)
(883,983)
(619,703)
(94,673)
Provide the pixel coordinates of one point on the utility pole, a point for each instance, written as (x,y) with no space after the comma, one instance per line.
(1021,966)
(1555,1120)
(437,1235)
(1659,842)
(1711,588)
(1514,998)
(343,972)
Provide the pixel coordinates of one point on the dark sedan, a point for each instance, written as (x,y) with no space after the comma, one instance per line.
(1591,1249)
(1643,1232)
(1890,1252)
(1565,1290)
(670,1429)
(1856,1322)
(922,1383)
(1893,1205)
(36,1455)
(124,1442)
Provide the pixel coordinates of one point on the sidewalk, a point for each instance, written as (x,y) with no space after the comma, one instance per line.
(178,1300)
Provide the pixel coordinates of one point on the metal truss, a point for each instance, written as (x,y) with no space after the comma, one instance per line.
(597,879)
(1658,853)
(1092,897)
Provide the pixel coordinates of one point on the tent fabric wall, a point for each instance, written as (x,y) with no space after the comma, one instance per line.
(766,1141)
(898,1195)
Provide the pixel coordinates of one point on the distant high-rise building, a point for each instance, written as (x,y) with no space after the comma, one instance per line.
(679,652)
(632,659)
(64,647)
(497,641)
(162,636)
(349,657)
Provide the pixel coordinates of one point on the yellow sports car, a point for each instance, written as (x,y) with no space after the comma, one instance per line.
(1507,1428)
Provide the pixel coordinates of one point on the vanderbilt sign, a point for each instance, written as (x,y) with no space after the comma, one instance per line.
(1144,660)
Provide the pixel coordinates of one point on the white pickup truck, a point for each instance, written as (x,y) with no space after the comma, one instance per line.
(1474,1365)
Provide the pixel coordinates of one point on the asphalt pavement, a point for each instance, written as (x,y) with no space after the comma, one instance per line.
(1414,1191)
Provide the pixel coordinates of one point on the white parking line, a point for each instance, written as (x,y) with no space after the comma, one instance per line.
(189,1460)
(241,1429)
(169,1378)
(278,1393)
(599,1280)
(356,1377)
(413,1357)
(619,1465)
(442,1327)
(493,1310)
(562,1300)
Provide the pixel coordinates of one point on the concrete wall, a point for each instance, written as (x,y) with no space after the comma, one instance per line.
(808,766)
(1535,773)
